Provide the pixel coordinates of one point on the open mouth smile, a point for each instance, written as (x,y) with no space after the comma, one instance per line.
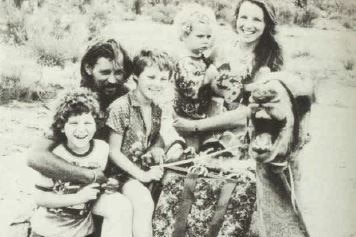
(80,137)
(265,133)
(248,31)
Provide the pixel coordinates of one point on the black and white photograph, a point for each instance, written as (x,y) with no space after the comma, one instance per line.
(177,118)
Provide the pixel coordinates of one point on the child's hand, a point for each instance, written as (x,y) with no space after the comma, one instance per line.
(157,155)
(211,74)
(154,156)
(184,125)
(88,193)
(155,173)
(175,152)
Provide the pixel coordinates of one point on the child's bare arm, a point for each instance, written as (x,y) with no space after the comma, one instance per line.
(53,200)
(44,161)
(119,159)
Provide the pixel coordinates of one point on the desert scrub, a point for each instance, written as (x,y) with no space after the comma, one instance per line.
(161,13)
(56,34)
(14,31)
(304,16)
(24,80)
(100,14)
(16,84)
(348,64)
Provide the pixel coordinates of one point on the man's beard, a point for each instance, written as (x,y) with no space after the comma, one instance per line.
(106,99)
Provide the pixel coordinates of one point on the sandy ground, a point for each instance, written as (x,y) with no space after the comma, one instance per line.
(328,165)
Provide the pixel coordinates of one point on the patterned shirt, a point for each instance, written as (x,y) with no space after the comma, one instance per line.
(125,118)
(193,94)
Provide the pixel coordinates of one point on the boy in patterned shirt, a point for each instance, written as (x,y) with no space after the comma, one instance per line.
(135,122)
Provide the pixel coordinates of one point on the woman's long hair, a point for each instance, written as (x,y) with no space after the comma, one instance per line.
(267,52)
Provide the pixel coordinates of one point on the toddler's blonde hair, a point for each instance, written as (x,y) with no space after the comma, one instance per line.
(191,14)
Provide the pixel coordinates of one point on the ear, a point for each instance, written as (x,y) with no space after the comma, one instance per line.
(88,69)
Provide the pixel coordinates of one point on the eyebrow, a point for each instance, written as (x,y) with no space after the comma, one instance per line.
(106,70)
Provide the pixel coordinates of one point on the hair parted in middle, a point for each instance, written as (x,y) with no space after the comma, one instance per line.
(268,52)
(73,102)
(109,49)
(152,57)
(191,14)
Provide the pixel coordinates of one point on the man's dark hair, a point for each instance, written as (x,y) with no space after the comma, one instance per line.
(110,50)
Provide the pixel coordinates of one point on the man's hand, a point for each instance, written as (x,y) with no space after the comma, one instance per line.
(100,176)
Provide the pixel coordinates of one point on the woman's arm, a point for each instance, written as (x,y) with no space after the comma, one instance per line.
(54,200)
(44,161)
(227,120)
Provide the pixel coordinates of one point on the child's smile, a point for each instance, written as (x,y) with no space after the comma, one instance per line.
(151,82)
(79,131)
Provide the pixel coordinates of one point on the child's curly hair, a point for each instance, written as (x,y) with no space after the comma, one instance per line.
(192,14)
(73,102)
(152,57)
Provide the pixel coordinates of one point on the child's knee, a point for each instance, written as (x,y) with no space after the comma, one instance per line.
(113,206)
(139,195)
(121,206)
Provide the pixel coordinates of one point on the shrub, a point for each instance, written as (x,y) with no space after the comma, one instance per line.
(304,17)
(55,37)
(349,64)
(100,14)
(15,84)
(14,31)
(162,13)
(285,11)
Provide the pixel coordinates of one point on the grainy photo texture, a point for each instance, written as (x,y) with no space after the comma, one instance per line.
(167,118)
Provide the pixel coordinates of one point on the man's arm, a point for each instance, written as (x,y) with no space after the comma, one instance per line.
(44,161)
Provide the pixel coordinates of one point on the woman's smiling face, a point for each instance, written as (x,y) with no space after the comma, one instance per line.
(250,22)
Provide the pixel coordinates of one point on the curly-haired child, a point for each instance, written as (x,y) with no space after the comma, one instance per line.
(65,208)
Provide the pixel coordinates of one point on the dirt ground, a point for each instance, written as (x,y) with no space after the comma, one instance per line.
(328,165)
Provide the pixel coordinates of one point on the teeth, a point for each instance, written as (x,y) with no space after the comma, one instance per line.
(263,142)
(262,114)
(80,137)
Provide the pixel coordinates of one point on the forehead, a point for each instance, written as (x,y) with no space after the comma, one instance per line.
(83,116)
(201,28)
(154,70)
(103,62)
(249,8)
